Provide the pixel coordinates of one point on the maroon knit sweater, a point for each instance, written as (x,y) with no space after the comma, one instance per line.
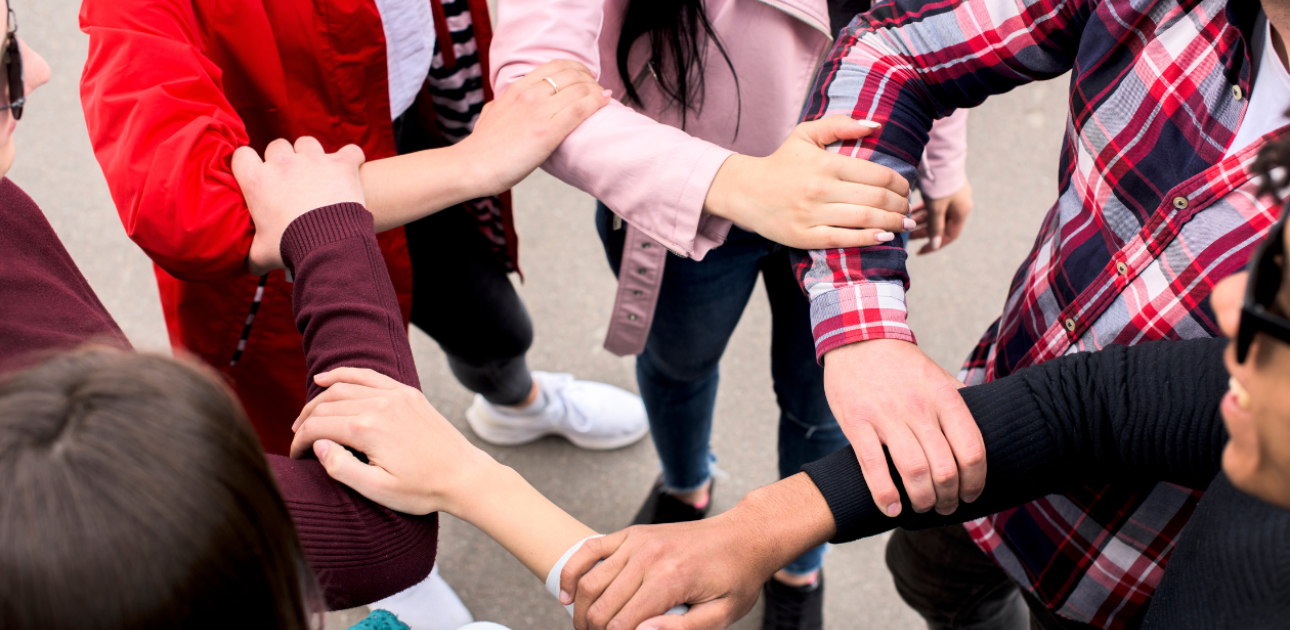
(347,311)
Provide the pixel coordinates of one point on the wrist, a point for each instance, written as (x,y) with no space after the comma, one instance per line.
(722,198)
(478,174)
(478,488)
(775,524)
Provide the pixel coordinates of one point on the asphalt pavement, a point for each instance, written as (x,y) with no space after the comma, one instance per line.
(569,290)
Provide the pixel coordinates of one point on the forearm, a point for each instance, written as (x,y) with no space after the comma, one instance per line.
(782,521)
(1148,413)
(404,188)
(528,525)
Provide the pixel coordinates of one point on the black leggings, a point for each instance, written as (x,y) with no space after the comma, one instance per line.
(463,298)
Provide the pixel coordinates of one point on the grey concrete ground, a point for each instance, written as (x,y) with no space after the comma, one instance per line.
(956,293)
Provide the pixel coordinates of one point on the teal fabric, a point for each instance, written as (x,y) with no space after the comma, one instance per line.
(380,620)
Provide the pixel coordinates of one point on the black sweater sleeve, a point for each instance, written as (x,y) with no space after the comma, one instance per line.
(1145,413)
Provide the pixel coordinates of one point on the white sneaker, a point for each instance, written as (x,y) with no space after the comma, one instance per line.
(430,605)
(594,416)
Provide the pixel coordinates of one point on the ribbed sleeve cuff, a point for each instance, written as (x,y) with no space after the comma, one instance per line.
(323,226)
(839,479)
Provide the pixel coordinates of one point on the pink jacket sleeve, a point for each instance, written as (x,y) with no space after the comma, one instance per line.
(659,186)
(943,170)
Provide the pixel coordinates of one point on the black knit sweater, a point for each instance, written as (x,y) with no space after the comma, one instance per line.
(1141,413)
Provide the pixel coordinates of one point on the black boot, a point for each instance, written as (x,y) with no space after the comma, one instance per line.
(793,607)
(661,507)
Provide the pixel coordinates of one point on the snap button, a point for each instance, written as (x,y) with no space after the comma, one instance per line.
(1070,324)
(642,271)
(638,293)
(1122,268)
(631,317)
(1180,203)
(644,245)
(1237,92)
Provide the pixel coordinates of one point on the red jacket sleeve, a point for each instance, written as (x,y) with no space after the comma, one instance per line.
(164,134)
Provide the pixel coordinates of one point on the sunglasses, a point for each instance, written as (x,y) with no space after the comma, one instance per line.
(1266,273)
(13,70)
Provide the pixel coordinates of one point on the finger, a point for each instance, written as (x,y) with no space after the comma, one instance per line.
(570,77)
(826,131)
(356,376)
(853,216)
(877,475)
(342,466)
(911,462)
(870,174)
(352,153)
(548,69)
(245,159)
(842,238)
(591,552)
(576,108)
(342,429)
(955,219)
(309,145)
(337,391)
(650,601)
(936,223)
(711,615)
(278,150)
(965,440)
(592,585)
(607,607)
(942,467)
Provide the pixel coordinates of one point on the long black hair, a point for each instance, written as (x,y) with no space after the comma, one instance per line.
(678,32)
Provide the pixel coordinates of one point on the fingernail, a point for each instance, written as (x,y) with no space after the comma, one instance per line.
(321,448)
(608,93)
(893,510)
(883,237)
(936,242)
(564,597)
(944,511)
(909,224)
(971,498)
(868,123)
(295,426)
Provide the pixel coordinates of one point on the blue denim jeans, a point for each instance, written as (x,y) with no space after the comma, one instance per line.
(699,305)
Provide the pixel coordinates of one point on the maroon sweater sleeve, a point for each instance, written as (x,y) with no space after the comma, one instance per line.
(347,311)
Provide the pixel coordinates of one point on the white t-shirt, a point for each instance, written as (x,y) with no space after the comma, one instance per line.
(409,48)
(1270,98)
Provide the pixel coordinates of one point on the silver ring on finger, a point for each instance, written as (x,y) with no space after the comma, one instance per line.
(555,89)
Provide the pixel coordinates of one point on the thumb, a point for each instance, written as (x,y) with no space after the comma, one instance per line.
(706,616)
(826,131)
(245,159)
(344,467)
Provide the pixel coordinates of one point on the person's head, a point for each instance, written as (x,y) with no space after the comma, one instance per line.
(21,66)
(135,495)
(1250,308)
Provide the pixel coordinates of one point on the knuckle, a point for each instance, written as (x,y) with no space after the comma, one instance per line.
(915,468)
(944,474)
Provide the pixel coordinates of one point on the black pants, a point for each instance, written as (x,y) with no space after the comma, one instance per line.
(463,298)
(948,580)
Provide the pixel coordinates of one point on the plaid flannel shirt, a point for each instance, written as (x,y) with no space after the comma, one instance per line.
(1149,217)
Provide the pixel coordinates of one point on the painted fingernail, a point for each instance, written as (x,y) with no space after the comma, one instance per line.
(936,242)
(608,93)
(295,426)
(564,596)
(321,448)
(909,224)
(893,510)
(884,237)
(868,123)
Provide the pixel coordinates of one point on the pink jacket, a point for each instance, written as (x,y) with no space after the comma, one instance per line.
(641,164)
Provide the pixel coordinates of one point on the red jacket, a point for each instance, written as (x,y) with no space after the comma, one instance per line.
(171,88)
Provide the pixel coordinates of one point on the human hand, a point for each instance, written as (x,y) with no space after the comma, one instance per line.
(417,462)
(940,221)
(806,197)
(521,128)
(290,181)
(887,392)
(716,565)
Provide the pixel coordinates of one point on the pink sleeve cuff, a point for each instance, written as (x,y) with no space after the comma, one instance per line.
(943,170)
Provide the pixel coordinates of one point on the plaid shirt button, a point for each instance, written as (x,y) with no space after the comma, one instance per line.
(1122,268)
(1180,203)
(1237,92)
(1070,324)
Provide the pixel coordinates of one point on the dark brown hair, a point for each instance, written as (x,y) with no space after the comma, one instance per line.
(134,494)
(1273,156)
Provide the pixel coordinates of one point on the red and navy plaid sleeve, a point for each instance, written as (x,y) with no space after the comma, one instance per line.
(905,64)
